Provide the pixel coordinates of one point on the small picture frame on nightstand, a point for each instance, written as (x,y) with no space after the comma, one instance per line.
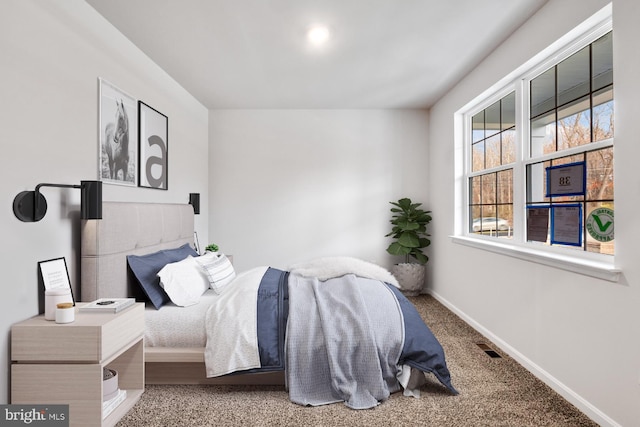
(55,275)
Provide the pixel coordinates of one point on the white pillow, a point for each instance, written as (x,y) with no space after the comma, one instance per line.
(183,281)
(218,269)
(331,267)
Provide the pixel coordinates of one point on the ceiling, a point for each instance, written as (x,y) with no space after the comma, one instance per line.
(245,54)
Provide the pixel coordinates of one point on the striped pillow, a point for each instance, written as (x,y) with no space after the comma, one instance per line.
(218,269)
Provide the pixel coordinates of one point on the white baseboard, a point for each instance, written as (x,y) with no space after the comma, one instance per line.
(575,399)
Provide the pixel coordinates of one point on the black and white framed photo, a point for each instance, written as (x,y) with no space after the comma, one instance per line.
(55,275)
(118,131)
(153,145)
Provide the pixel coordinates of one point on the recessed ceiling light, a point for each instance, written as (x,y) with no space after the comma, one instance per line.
(318,35)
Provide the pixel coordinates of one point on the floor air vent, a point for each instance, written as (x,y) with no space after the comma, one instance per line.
(492,353)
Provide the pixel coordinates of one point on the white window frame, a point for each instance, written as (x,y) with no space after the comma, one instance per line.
(583,262)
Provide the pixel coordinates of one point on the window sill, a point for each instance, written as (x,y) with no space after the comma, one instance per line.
(587,267)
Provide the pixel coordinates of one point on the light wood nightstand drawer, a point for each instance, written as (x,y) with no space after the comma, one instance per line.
(92,337)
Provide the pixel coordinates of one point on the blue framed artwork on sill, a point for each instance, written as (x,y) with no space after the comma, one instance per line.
(537,223)
(566,224)
(566,180)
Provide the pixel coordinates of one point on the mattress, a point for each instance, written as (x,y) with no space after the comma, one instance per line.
(174,326)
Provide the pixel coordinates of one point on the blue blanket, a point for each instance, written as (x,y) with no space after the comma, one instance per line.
(344,339)
(420,350)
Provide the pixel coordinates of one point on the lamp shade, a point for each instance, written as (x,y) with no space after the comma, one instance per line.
(194,200)
(91,199)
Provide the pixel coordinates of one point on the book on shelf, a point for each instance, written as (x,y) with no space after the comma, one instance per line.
(109,405)
(108,305)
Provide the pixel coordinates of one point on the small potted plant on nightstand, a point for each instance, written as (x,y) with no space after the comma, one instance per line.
(410,238)
(211,248)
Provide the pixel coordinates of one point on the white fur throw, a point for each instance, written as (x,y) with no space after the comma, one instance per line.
(331,267)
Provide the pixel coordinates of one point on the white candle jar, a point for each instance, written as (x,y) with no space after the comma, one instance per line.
(52,298)
(65,312)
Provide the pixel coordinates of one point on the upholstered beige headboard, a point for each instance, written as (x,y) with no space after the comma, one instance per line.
(127,229)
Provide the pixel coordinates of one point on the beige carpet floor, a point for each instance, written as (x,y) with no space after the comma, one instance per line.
(493,392)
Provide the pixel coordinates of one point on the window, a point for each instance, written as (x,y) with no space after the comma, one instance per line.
(539,158)
(491,179)
(571,123)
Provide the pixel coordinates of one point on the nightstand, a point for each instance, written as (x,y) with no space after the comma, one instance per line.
(55,363)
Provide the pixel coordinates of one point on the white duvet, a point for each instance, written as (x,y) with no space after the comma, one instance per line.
(232,344)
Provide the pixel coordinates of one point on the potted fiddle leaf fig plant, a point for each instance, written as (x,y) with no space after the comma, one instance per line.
(410,236)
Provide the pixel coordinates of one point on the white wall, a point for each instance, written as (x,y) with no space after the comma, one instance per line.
(290,185)
(52,55)
(578,333)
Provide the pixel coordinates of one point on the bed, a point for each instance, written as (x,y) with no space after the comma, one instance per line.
(176,347)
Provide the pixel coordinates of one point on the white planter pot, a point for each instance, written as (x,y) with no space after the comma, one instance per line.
(410,277)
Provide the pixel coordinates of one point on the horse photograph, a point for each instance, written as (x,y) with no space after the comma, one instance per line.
(118,136)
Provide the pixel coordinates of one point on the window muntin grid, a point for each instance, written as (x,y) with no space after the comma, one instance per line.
(493,147)
(571,107)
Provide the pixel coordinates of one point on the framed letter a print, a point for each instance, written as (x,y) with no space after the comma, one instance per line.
(153,140)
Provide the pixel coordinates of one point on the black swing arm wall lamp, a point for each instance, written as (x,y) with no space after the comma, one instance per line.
(31,206)
(194,200)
